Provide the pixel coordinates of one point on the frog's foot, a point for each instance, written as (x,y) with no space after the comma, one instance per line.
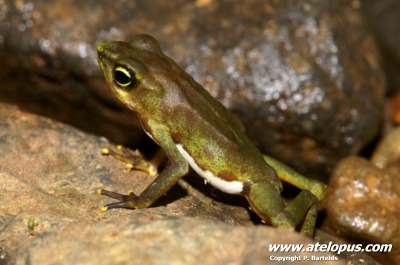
(133,159)
(124,200)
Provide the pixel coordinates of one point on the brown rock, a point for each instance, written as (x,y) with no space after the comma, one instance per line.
(308,95)
(384,19)
(49,212)
(363,198)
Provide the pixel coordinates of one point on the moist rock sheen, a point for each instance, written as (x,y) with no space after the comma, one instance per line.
(364,196)
(304,76)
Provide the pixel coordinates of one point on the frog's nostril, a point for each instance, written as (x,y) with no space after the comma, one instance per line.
(101,48)
(101,54)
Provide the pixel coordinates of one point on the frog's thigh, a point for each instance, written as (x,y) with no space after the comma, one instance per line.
(304,209)
(267,202)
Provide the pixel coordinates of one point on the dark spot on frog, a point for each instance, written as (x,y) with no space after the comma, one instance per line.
(208,152)
(177,137)
(247,187)
(227,175)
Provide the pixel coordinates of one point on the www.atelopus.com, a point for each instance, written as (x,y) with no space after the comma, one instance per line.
(330,247)
(318,247)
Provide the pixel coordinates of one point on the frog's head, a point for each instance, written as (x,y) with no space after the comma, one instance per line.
(134,69)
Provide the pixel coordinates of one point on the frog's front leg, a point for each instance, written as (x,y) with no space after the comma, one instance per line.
(266,201)
(175,169)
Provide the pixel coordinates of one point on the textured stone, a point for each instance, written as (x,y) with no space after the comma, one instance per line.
(50,214)
(363,200)
(296,72)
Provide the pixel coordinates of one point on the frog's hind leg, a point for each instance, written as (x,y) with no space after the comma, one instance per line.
(266,201)
(291,176)
(303,209)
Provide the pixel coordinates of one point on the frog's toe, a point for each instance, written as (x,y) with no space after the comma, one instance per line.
(122,204)
(133,159)
(125,201)
(112,194)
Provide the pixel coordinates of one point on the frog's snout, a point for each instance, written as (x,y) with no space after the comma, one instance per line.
(101,52)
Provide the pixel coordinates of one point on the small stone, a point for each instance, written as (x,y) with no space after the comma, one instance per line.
(363,200)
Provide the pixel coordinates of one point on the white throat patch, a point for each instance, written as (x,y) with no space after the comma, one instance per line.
(232,187)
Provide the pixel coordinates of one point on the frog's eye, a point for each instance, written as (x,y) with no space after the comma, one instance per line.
(125,77)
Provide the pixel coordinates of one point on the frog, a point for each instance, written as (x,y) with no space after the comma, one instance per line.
(196,131)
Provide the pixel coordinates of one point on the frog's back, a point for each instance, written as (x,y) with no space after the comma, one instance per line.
(214,135)
(184,99)
(204,111)
(172,79)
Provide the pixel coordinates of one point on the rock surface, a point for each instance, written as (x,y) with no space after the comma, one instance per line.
(384,19)
(363,200)
(295,71)
(50,214)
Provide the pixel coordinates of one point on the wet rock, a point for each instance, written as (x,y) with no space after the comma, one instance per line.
(364,197)
(387,153)
(49,212)
(307,94)
(299,85)
(384,19)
